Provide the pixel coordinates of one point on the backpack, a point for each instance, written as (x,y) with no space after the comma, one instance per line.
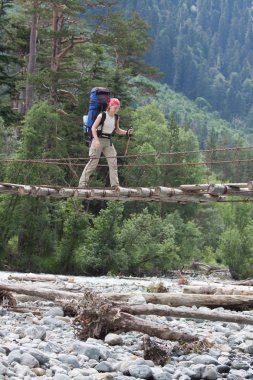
(99,99)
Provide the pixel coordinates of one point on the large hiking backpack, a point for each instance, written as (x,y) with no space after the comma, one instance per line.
(99,99)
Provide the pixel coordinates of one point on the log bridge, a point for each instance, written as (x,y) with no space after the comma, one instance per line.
(196,193)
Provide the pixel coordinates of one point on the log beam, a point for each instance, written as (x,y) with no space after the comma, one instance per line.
(185,194)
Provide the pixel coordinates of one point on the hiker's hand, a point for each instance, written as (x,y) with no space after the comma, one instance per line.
(130,131)
(97,144)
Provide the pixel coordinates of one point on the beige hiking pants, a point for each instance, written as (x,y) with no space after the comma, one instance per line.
(111,155)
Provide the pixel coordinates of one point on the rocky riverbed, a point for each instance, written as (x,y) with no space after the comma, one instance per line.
(45,346)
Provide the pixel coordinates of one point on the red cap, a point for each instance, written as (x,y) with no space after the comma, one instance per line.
(114,102)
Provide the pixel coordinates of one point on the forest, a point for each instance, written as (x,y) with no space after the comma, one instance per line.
(204,49)
(53,53)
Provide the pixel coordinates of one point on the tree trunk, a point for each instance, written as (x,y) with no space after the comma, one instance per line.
(57,24)
(40,277)
(96,316)
(219,289)
(180,299)
(49,294)
(32,55)
(129,322)
(163,310)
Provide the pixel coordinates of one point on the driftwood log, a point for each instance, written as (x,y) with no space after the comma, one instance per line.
(232,302)
(219,289)
(235,302)
(168,311)
(39,277)
(96,317)
(69,299)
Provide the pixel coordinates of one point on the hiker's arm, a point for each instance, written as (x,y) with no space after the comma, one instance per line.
(94,130)
(120,131)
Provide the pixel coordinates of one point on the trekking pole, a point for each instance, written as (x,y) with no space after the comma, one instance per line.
(127,144)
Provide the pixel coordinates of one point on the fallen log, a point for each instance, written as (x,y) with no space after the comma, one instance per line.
(245,282)
(168,311)
(233,302)
(96,317)
(39,277)
(218,289)
(49,294)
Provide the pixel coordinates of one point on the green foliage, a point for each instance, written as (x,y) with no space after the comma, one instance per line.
(148,244)
(73,224)
(157,288)
(204,49)
(236,248)
(99,254)
(235,243)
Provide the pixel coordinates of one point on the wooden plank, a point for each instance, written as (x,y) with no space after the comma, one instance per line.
(67,192)
(194,187)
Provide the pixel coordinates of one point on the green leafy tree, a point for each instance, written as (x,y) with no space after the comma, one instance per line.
(72,227)
(235,243)
(99,254)
(148,243)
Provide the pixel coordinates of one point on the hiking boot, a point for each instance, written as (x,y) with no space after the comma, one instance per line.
(115,187)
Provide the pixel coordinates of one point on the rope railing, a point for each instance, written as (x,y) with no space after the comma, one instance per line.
(199,163)
(129,156)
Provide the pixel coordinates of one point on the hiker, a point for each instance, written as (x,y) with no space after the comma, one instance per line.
(105,124)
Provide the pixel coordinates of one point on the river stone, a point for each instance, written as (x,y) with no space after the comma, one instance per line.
(3,311)
(52,322)
(124,365)
(104,367)
(140,371)
(36,332)
(21,370)
(77,372)
(103,376)
(234,377)
(42,358)
(249,349)
(210,373)
(3,369)
(29,360)
(198,369)
(204,359)
(54,312)
(92,351)
(61,376)
(113,339)
(223,368)
(50,347)
(38,371)
(169,368)
(240,365)
(162,376)
(14,356)
(70,360)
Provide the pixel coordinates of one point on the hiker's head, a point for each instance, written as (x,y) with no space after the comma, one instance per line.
(114,104)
